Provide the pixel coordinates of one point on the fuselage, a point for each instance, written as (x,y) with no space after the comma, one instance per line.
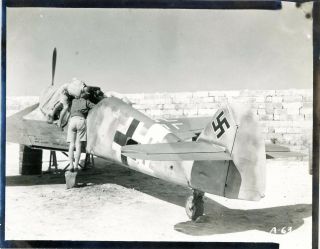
(113,124)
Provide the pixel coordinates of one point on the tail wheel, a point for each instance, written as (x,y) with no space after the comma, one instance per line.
(194,205)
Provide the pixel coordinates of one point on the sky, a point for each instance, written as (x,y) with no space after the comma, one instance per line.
(157,50)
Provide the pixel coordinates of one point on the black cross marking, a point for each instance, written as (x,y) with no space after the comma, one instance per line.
(122,139)
(220,124)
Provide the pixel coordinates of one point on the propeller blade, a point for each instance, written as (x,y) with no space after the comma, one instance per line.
(54,60)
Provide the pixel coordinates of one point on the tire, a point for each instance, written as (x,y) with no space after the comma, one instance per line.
(194,209)
(30,161)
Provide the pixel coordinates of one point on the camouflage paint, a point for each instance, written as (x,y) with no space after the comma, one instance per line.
(113,124)
(236,128)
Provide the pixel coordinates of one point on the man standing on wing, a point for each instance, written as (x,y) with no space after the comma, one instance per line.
(77,130)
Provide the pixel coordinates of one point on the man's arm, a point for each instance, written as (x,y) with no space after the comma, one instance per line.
(63,88)
(62,114)
(90,105)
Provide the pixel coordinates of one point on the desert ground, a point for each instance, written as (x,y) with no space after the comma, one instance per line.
(113,203)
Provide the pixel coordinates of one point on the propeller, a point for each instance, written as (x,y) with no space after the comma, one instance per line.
(54,60)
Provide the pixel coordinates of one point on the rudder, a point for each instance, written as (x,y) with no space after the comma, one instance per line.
(236,128)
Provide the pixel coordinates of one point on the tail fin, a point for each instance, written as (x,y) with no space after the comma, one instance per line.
(221,130)
(236,128)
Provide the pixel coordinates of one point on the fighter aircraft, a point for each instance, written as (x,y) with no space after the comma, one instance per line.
(223,155)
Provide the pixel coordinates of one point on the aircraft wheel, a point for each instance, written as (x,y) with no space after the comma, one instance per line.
(30,161)
(194,205)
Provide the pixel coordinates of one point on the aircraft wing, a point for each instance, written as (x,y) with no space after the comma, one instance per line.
(14,128)
(34,133)
(176,151)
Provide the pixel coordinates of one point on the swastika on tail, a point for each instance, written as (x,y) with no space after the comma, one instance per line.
(219,126)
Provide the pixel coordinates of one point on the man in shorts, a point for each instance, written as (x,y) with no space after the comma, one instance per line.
(77,130)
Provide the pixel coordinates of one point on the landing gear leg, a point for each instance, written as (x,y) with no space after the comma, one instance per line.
(194,205)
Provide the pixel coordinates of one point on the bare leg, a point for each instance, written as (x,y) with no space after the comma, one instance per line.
(71,150)
(78,153)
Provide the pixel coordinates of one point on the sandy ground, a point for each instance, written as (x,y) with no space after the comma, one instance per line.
(114,203)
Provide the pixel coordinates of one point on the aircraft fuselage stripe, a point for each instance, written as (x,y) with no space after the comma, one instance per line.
(122,139)
(133,126)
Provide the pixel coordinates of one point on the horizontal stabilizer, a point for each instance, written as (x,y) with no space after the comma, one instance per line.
(176,151)
(283,154)
(276,147)
(278,151)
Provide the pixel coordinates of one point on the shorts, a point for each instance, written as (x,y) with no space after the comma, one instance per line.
(77,125)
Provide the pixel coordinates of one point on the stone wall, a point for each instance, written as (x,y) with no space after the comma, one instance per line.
(285,115)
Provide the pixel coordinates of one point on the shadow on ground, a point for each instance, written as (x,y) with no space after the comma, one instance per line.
(218,219)
(221,220)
